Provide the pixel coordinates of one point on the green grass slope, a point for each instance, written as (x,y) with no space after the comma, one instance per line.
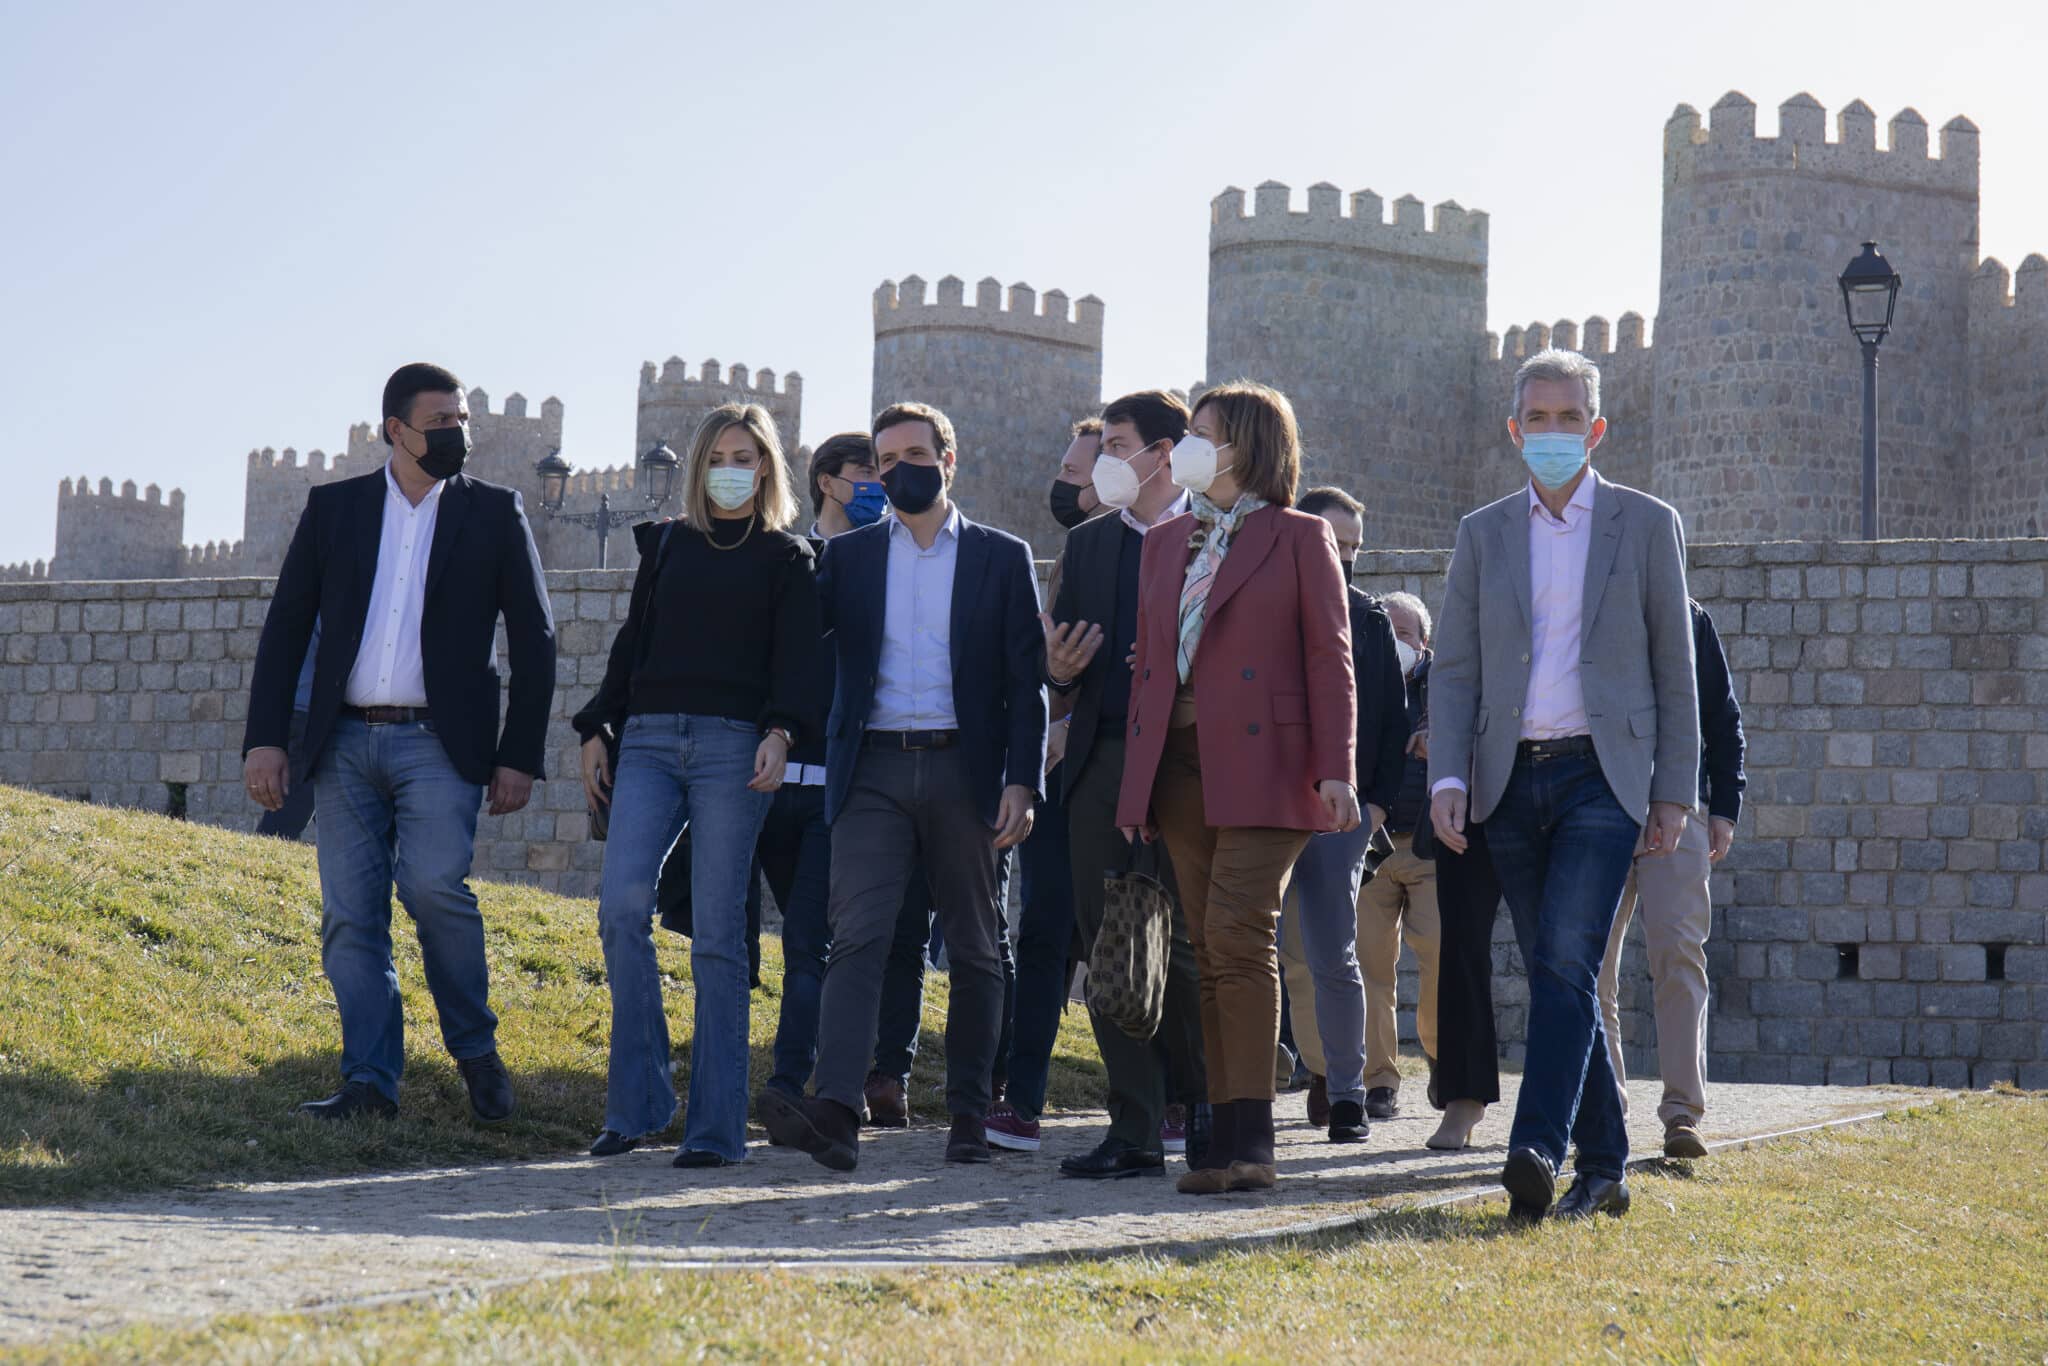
(162,1009)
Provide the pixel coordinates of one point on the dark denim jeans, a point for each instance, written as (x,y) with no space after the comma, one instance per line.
(392,806)
(1562,846)
(676,770)
(795,852)
(1045,935)
(920,941)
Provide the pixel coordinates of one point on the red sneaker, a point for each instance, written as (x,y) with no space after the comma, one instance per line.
(1008,1129)
(1173,1130)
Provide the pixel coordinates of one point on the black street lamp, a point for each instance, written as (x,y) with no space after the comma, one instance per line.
(656,482)
(1870,292)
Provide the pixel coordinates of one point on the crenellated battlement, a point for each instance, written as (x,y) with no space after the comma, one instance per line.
(591,483)
(1449,232)
(82,493)
(213,559)
(1594,339)
(1727,141)
(713,386)
(902,306)
(37,571)
(2002,298)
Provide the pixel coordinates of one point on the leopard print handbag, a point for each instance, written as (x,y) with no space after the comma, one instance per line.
(1127,965)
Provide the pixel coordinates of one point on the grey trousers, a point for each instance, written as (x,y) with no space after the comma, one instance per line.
(1144,1077)
(906,811)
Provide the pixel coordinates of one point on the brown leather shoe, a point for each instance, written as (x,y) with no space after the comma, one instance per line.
(1682,1139)
(888,1102)
(1318,1102)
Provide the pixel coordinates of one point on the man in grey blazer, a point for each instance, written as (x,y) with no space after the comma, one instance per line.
(1564,716)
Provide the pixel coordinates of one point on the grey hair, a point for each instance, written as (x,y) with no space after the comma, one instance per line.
(1411,603)
(1555,363)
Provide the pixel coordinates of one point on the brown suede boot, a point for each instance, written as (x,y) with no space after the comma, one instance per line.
(1210,1173)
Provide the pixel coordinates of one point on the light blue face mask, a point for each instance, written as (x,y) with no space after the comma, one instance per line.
(730,486)
(1554,457)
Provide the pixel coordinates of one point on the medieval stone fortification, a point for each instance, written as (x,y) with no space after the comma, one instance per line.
(1745,413)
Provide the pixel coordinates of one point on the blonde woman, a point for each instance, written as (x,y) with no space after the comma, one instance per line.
(706,691)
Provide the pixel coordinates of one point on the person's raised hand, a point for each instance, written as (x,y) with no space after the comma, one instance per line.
(1069,648)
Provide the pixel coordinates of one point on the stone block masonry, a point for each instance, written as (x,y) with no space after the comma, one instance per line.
(1884,916)
(1884,913)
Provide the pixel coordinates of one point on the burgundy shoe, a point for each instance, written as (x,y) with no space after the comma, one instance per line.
(888,1102)
(1008,1129)
(1173,1130)
(1318,1102)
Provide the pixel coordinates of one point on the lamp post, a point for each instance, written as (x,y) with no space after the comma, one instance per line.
(1870,291)
(656,482)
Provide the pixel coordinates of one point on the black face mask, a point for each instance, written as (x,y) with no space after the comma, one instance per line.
(1066,504)
(447,448)
(913,488)
(1350,567)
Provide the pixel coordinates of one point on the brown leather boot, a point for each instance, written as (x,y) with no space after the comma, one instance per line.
(888,1102)
(1251,1164)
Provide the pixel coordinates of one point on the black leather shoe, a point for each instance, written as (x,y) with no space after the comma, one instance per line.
(1201,1129)
(1381,1103)
(490,1088)
(1531,1183)
(1591,1195)
(354,1098)
(1112,1158)
(697,1157)
(968,1142)
(828,1131)
(611,1143)
(1347,1122)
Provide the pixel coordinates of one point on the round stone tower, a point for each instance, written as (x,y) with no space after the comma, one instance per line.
(1013,380)
(1759,384)
(1372,328)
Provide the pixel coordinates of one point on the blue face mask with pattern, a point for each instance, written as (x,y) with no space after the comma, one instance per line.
(868,502)
(1554,457)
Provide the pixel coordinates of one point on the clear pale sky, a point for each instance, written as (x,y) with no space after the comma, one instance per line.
(223,225)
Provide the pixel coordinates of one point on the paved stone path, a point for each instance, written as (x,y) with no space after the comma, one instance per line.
(304,1244)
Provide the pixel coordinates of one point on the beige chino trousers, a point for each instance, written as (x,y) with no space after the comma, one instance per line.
(1673,896)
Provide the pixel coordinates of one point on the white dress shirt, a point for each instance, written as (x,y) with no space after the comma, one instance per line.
(1184,503)
(388,670)
(914,676)
(1556,703)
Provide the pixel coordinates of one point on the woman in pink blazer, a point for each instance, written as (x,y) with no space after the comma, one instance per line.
(1242,729)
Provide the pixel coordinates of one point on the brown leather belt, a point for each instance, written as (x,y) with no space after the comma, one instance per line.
(1537,751)
(386,716)
(911,739)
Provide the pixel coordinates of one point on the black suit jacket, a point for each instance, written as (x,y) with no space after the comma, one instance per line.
(1383,729)
(483,565)
(997,649)
(1088,580)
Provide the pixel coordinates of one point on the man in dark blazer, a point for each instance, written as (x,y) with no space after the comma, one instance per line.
(1089,636)
(408,571)
(935,749)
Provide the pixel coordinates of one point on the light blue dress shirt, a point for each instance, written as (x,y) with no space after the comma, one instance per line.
(914,678)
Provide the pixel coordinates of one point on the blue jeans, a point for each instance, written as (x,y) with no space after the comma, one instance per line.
(676,770)
(1562,846)
(1045,935)
(795,851)
(392,806)
(1327,877)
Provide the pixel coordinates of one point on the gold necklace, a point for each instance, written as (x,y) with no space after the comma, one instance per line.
(712,541)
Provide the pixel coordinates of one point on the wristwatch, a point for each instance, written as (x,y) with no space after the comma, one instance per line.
(788,740)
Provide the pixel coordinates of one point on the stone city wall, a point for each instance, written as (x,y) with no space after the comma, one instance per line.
(1883,917)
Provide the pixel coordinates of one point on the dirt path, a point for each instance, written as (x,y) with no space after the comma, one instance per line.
(301,1244)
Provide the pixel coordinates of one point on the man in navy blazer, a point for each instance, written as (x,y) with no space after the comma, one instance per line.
(408,570)
(934,755)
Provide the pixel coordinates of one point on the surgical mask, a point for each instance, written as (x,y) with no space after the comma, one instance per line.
(1114,483)
(1194,462)
(1554,457)
(729,486)
(869,501)
(913,488)
(447,448)
(1066,504)
(1408,655)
